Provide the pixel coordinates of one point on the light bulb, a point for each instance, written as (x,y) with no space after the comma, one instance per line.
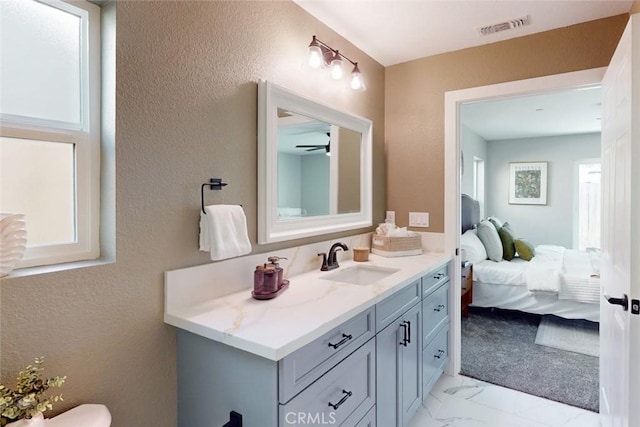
(336,67)
(315,56)
(356,79)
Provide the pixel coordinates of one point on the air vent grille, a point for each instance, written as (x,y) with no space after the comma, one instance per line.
(504,26)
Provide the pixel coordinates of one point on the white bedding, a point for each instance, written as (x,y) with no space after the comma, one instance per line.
(576,280)
(543,274)
(519,298)
(580,277)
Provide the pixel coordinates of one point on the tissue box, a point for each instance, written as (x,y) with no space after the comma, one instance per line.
(396,246)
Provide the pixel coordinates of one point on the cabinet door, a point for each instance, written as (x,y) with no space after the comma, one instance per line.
(399,369)
(411,366)
(387,369)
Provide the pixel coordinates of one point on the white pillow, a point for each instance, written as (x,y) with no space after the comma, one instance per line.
(473,247)
(489,237)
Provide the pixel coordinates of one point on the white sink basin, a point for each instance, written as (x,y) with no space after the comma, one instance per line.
(360,274)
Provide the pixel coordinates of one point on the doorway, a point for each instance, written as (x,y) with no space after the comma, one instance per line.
(453,102)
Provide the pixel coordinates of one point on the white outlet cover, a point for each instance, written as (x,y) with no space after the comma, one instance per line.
(391,216)
(418,219)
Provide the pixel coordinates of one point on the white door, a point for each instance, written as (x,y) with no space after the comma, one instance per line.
(620,263)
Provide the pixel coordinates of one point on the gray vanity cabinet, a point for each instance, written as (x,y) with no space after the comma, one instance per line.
(435,326)
(373,369)
(399,368)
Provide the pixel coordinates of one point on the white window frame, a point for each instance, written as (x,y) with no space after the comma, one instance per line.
(479,183)
(576,198)
(86,139)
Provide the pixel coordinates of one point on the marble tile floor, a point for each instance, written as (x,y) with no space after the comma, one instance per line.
(465,402)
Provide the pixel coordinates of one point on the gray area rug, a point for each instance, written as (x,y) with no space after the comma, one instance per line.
(579,336)
(498,346)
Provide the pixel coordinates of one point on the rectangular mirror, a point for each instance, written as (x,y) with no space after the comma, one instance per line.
(314,167)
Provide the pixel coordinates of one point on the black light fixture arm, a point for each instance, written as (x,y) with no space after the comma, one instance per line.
(335,51)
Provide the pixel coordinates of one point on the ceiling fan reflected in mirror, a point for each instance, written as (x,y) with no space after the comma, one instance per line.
(326,147)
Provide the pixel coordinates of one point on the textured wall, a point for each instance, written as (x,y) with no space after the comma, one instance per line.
(186,111)
(414,101)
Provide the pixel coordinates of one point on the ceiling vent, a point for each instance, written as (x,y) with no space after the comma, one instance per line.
(504,26)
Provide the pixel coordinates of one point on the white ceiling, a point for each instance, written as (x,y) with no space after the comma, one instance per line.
(392,31)
(561,113)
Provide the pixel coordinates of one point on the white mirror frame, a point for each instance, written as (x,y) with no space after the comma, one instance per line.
(270,228)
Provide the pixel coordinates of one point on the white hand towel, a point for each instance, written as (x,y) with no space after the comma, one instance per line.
(223,231)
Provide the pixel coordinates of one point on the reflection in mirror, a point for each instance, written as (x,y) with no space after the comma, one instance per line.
(314,167)
(318,167)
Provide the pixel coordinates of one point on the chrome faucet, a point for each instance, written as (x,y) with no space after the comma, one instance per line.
(330,262)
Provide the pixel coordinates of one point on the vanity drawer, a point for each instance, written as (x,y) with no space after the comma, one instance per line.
(302,367)
(346,392)
(394,306)
(435,312)
(434,357)
(434,279)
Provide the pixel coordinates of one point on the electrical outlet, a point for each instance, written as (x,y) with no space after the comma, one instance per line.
(419,219)
(391,217)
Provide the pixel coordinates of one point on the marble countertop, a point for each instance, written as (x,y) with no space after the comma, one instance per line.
(307,310)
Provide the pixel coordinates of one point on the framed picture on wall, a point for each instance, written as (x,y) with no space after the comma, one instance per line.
(528,183)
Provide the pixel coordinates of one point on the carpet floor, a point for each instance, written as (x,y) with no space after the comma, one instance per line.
(498,346)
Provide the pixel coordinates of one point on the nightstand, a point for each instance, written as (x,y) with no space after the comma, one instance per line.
(467,288)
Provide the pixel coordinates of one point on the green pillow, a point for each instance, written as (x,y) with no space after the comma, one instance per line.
(506,237)
(525,249)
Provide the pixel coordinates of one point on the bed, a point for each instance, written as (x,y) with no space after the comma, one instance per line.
(558,281)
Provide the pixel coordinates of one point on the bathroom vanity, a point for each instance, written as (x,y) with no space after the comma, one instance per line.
(325,352)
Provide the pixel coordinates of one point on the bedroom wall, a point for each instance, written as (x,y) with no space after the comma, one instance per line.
(552,223)
(186,108)
(414,101)
(472,145)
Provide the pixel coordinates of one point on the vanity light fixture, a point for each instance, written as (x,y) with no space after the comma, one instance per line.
(321,55)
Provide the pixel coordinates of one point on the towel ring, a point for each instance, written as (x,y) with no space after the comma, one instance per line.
(214,184)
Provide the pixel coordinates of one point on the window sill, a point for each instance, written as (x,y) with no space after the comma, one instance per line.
(54,268)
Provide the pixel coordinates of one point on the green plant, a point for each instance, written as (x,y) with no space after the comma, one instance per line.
(28,399)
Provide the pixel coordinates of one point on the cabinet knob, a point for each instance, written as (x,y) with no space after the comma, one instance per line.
(439,307)
(439,354)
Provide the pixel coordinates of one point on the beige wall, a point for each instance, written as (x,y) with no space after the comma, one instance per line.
(635,7)
(414,101)
(186,111)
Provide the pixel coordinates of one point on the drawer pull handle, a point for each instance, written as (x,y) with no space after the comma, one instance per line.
(439,355)
(439,307)
(335,406)
(344,339)
(405,340)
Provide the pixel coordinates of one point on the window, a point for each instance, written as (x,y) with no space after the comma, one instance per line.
(50,126)
(478,183)
(588,204)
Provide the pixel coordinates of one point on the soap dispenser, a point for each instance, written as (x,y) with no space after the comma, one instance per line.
(267,280)
(273,260)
